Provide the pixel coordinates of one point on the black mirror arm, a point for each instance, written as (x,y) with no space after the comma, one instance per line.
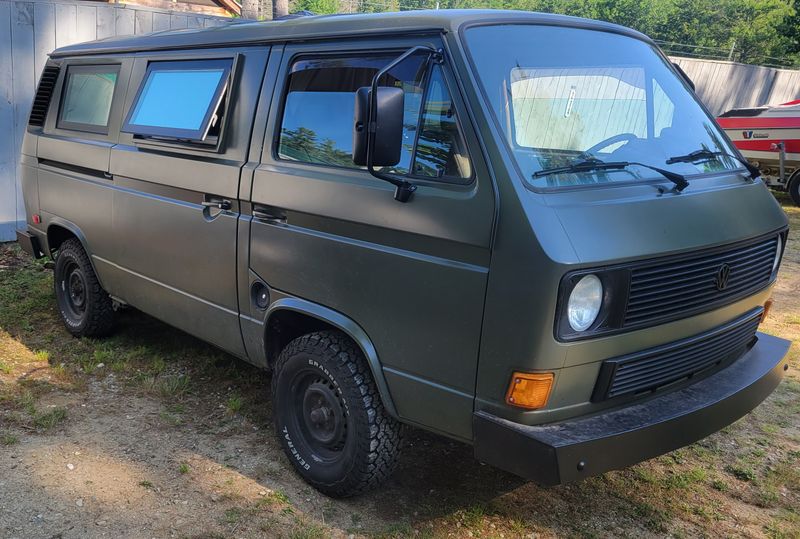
(403,188)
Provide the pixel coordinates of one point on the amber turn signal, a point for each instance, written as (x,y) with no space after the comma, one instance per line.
(530,390)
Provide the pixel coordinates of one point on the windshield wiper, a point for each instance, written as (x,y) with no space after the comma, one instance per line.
(591,165)
(703,154)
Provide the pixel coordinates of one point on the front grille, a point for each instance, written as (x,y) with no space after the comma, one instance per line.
(676,288)
(43,94)
(651,369)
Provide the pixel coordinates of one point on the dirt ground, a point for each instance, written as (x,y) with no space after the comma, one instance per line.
(152,433)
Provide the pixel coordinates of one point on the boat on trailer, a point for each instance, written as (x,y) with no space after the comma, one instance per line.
(769,137)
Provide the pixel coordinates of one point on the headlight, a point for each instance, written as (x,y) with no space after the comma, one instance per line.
(584,303)
(777,255)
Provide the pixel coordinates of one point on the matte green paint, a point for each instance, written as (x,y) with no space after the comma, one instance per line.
(445,295)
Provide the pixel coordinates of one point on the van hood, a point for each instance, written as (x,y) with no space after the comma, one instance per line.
(637,222)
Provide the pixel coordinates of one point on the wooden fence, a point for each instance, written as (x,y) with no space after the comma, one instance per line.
(29,30)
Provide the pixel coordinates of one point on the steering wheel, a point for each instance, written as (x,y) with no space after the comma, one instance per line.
(620,137)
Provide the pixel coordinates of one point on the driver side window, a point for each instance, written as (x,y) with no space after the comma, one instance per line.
(317,124)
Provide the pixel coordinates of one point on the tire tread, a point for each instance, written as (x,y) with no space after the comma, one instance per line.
(378,453)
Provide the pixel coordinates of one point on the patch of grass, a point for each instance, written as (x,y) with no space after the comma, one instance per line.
(27,401)
(233,515)
(653,518)
(685,479)
(175,386)
(8,439)
(50,419)
(720,485)
(740,472)
(172,419)
(234,404)
(146,484)
(5,368)
(183,468)
(307,530)
(157,365)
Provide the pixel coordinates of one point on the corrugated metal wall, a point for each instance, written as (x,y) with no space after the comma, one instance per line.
(29,30)
(727,85)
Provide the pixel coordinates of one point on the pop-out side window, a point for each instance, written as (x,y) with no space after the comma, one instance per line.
(87,96)
(179,99)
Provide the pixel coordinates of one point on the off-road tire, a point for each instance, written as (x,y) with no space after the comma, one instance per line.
(96,317)
(794,187)
(372,438)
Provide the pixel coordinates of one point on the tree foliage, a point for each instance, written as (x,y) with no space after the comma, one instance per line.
(760,31)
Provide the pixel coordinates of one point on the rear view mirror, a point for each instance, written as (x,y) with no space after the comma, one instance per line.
(387,136)
(683,74)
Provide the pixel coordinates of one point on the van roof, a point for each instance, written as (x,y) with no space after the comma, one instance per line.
(325,26)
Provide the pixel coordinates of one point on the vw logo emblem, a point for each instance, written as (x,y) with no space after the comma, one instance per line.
(721,279)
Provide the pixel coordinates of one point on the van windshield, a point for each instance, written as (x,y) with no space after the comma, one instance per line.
(568,95)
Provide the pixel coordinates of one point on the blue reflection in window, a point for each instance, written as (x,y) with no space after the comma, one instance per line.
(177,99)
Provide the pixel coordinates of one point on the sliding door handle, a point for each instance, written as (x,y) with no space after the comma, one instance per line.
(216,202)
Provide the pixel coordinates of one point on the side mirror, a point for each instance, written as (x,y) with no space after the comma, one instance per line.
(683,74)
(387,135)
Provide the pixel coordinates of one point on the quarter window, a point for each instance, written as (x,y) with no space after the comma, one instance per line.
(317,125)
(88,93)
(180,100)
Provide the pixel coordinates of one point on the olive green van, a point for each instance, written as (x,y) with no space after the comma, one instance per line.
(517,230)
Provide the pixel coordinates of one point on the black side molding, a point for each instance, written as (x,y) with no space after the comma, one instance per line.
(559,453)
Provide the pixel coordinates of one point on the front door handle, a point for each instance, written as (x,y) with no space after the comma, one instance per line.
(219,203)
(269,215)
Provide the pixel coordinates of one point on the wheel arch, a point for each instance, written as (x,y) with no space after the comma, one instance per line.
(320,317)
(60,230)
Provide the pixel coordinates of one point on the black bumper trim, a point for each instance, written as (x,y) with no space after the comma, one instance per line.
(559,453)
(30,244)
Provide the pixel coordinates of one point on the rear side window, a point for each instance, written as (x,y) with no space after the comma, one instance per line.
(317,124)
(87,96)
(179,100)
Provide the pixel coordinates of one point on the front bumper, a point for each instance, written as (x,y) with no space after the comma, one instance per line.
(575,449)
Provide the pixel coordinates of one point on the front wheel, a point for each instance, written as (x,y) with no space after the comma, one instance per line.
(794,187)
(86,309)
(329,416)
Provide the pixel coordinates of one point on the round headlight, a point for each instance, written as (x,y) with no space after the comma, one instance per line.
(777,254)
(584,303)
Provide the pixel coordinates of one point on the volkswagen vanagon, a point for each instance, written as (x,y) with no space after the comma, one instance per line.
(517,230)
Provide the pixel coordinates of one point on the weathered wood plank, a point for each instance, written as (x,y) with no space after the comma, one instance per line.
(144,21)
(178,21)
(23,83)
(44,34)
(161,21)
(106,26)
(66,24)
(194,21)
(87,23)
(125,22)
(8,159)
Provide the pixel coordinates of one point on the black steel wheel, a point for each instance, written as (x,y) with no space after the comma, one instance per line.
(329,416)
(85,307)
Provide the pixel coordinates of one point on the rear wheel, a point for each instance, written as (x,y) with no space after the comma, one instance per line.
(794,187)
(329,416)
(85,307)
